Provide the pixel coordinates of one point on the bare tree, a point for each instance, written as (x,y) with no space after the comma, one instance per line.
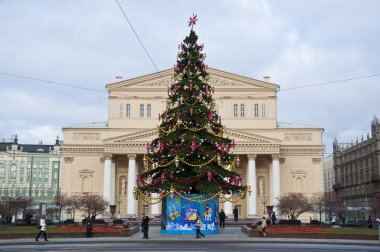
(10,206)
(334,204)
(70,203)
(93,204)
(293,205)
(319,204)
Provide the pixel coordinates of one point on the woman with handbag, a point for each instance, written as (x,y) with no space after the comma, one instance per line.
(42,228)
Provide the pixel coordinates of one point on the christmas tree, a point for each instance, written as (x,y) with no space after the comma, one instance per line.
(190,154)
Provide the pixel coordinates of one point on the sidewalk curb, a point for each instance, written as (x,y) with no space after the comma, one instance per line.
(191,241)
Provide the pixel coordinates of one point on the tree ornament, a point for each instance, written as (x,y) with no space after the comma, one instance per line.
(176,161)
(209,176)
(193,145)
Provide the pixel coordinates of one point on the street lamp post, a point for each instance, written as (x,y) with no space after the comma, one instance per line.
(119,201)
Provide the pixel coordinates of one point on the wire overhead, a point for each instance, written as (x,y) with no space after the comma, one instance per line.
(53,82)
(137,36)
(331,82)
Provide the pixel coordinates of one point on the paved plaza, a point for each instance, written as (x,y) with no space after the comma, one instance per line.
(229,234)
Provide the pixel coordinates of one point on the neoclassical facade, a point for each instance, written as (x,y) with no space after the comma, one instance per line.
(105,158)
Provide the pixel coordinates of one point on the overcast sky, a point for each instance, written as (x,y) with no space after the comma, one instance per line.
(88,42)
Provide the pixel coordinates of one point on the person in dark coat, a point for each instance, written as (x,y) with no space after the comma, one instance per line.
(89,229)
(273,217)
(222,219)
(145,226)
(28,218)
(236,213)
(370,223)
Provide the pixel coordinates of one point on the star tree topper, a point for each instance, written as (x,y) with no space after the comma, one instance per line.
(193,21)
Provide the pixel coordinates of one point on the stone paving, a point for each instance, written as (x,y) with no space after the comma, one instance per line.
(232,234)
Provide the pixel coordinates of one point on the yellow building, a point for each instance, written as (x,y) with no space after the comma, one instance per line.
(274,160)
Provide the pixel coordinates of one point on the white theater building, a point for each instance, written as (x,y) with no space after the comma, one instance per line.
(104,158)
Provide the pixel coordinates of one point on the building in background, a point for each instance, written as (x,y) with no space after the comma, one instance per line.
(357,171)
(275,158)
(328,173)
(30,171)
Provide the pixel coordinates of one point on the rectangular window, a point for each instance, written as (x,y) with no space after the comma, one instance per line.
(128,110)
(263,110)
(121,111)
(55,164)
(34,164)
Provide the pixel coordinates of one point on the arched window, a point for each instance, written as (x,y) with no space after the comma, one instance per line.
(149,110)
(263,110)
(85,184)
(13,171)
(121,110)
(256,110)
(299,185)
(235,110)
(242,110)
(2,170)
(141,110)
(128,110)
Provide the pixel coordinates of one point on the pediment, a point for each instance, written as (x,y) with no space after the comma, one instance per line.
(245,137)
(139,136)
(148,135)
(218,79)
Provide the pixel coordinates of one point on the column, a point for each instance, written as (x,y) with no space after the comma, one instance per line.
(270,185)
(113,187)
(276,180)
(131,204)
(227,208)
(107,180)
(155,210)
(251,181)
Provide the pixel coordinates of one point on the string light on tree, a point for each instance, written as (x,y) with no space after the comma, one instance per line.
(190,154)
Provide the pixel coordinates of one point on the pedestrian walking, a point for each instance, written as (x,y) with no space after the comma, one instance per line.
(42,229)
(236,213)
(198,226)
(145,226)
(222,219)
(263,227)
(273,217)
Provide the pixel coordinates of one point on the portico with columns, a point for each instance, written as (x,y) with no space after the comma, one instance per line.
(105,158)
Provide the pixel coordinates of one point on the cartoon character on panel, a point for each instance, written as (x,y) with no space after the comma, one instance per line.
(207,213)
